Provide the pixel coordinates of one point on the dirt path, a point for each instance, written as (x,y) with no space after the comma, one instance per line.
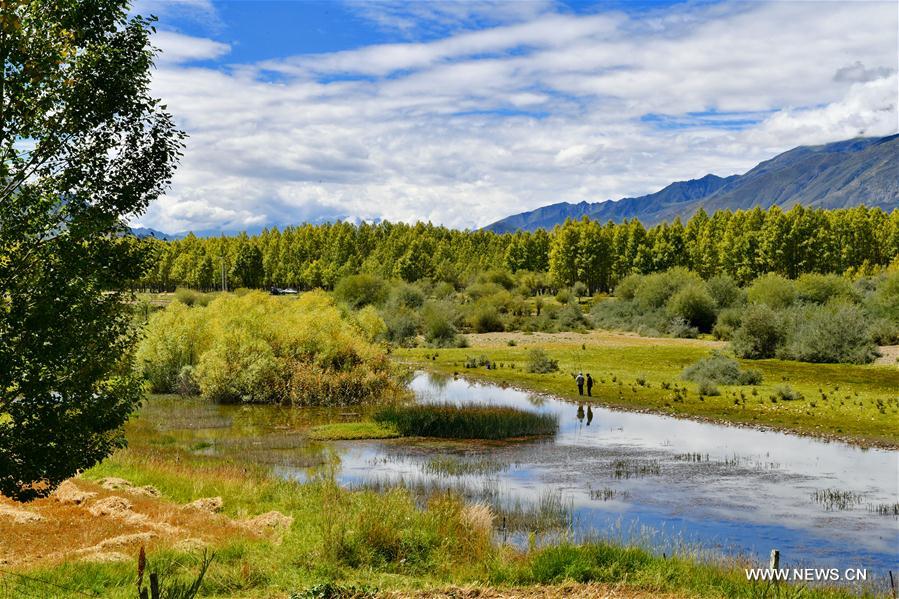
(889,355)
(591,338)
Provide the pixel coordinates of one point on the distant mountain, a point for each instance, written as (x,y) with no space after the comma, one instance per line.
(253,230)
(836,175)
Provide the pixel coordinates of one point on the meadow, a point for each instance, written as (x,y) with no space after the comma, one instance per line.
(856,403)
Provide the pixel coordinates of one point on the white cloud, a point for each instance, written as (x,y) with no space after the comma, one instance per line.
(178,48)
(482,124)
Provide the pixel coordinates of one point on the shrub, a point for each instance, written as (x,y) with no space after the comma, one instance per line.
(820,289)
(260,348)
(693,304)
(579,289)
(407,296)
(370,323)
(173,339)
(564,296)
(656,289)
(627,287)
(402,324)
(486,319)
(190,298)
(617,314)
(760,335)
(786,393)
(708,388)
(437,322)
(361,290)
(725,291)
(571,318)
(772,290)
(539,362)
(466,422)
(718,368)
(833,333)
(678,327)
(728,322)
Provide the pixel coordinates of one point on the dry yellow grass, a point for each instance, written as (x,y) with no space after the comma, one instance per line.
(87,521)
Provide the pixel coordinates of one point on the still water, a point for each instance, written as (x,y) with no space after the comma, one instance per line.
(662,482)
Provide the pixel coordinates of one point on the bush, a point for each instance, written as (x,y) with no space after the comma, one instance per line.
(725,291)
(571,318)
(785,393)
(190,298)
(820,289)
(173,338)
(402,324)
(718,368)
(695,305)
(677,327)
(486,319)
(407,296)
(772,290)
(656,289)
(437,322)
(622,315)
(627,287)
(539,362)
(260,348)
(361,290)
(564,296)
(708,388)
(760,335)
(370,323)
(728,322)
(466,422)
(836,333)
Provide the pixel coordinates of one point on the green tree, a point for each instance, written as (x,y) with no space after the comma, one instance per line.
(248,270)
(83,147)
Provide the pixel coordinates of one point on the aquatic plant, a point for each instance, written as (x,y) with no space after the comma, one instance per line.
(835,499)
(466,422)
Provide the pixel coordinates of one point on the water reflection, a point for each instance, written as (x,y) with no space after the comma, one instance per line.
(731,489)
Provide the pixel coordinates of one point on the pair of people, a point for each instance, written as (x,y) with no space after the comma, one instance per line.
(580,380)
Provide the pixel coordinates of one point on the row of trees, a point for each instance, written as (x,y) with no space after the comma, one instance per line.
(742,244)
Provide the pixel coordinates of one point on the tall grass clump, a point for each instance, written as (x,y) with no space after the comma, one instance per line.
(466,422)
(260,348)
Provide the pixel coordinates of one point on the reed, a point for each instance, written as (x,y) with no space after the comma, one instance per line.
(466,422)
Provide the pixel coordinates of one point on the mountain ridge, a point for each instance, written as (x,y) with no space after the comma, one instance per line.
(835,175)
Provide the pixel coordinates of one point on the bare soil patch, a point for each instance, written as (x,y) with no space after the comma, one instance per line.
(589,338)
(889,355)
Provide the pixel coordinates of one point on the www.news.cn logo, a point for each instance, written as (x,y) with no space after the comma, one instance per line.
(807,574)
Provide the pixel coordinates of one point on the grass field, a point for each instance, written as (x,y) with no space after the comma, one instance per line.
(859,404)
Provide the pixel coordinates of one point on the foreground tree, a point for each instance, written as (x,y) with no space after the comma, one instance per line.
(83,146)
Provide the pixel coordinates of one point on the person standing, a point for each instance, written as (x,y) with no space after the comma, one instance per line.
(589,385)
(579,379)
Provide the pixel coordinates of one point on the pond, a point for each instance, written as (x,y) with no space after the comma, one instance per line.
(658,481)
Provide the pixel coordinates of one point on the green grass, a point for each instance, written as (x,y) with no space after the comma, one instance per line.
(855,403)
(352,430)
(451,421)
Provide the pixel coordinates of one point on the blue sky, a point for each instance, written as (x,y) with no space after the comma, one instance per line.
(463,112)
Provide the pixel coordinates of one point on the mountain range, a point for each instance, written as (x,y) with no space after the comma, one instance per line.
(835,175)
